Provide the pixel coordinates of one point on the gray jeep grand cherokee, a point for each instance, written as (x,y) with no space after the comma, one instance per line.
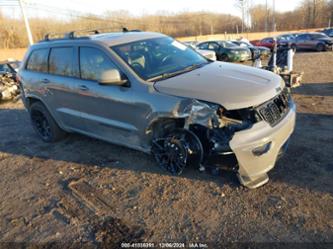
(152,93)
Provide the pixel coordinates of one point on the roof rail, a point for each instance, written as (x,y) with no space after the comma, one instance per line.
(74,34)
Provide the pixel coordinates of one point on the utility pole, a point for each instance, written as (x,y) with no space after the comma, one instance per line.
(266,17)
(26,21)
(274,25)
(243,13)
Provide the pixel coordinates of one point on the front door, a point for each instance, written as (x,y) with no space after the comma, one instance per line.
(110,112)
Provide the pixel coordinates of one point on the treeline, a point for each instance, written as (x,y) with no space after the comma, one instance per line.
(13,34)
(309,14)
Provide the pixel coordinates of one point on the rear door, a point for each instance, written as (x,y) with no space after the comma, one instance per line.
(33,74)
(303,41)
(63,87)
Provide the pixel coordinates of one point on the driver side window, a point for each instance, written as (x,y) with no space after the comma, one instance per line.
(93,63)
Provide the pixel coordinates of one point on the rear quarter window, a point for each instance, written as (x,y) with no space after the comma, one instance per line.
(61,61)
(38,60)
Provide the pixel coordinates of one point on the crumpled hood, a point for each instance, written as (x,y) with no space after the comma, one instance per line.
(231,85)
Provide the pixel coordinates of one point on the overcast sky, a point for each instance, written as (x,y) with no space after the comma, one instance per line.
(42,8)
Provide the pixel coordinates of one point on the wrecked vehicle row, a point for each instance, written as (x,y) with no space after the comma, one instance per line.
(9,89)
(149,92)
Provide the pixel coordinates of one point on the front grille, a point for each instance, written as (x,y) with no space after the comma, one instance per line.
(274,110)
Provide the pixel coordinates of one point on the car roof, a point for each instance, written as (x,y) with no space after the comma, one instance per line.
(108,39)
(310,33)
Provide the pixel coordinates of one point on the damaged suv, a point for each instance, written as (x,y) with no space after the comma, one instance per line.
(152,93)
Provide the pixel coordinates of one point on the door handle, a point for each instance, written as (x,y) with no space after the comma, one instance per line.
(83,88)
(45,81)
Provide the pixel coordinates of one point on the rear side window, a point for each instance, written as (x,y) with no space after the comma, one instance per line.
(268,40)
(93,63)
(61,61)
(38,60)
(303,37)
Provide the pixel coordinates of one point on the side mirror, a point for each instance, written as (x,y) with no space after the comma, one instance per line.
(111,77)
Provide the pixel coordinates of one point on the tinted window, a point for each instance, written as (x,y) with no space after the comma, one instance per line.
(93,62)
(227,44)
(213,46)
(303,37)
(203,46)
(61,61)
(318,36)
(38,60)
(268,40)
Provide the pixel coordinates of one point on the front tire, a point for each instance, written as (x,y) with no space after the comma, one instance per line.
(224,57)
(293,47)
(44,124)
(320,47)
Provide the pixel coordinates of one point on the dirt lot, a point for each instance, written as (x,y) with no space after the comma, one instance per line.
(83,191)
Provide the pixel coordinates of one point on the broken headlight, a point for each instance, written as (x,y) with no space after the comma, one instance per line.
(240,119)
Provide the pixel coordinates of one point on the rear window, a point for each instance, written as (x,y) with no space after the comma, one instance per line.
(61,61)
(38,60)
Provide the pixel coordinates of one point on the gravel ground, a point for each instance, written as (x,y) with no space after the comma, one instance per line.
(83,191)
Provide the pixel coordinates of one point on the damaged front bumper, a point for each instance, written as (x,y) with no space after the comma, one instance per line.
(257,149)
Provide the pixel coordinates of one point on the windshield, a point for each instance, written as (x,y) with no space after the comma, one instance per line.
(159,56)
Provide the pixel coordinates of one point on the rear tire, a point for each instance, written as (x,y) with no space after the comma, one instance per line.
(44,124)
(293,47)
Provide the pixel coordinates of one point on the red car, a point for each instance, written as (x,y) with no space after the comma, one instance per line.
(267,42)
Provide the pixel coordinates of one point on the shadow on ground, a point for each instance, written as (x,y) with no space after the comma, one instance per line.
(315,89)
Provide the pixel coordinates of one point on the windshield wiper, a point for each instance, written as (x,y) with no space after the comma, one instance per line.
(175,73)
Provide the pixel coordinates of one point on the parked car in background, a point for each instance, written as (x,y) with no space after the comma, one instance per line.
(256,51)
(226,51)
(207,53)
(328,32)
(267,42)
(313,41)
